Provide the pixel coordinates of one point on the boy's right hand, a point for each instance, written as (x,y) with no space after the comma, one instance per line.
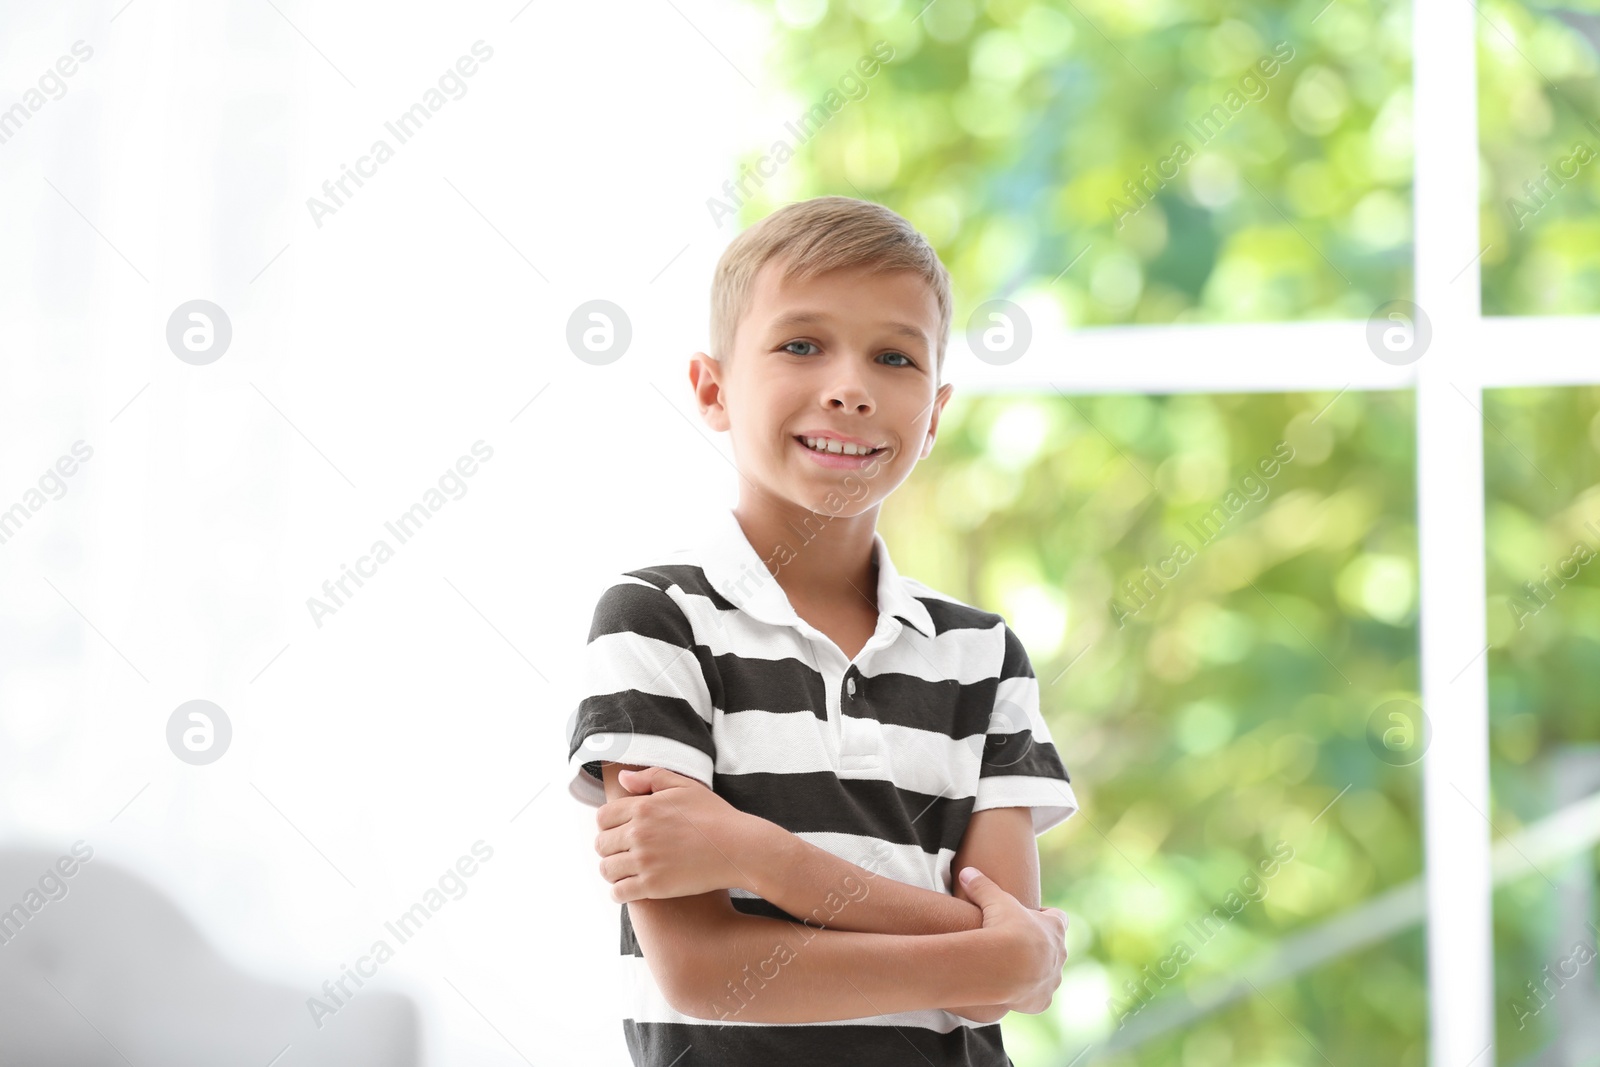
(1031,945)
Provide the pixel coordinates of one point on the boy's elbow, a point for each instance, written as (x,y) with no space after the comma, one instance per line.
(676,979)
(677,955)
(683,985)
(692,1004)
(699,985)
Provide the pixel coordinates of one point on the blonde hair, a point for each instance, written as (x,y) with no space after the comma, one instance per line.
(818,235)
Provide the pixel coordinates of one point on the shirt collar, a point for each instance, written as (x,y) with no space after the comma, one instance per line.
(735,570)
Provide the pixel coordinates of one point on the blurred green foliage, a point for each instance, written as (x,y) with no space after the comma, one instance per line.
(1542,493)
(1230,706)
(1539,137)
(1007,132)
(1223,715)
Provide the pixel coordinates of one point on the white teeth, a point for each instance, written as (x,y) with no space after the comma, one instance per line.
(837,448)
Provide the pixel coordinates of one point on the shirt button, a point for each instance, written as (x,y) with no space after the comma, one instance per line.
(850,687)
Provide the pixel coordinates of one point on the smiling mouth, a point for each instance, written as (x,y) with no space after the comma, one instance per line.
(844,455)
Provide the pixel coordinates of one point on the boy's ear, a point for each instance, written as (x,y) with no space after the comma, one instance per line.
(704,380)
(939,400)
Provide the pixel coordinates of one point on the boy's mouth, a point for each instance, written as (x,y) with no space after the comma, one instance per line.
(841,459)
(830,447)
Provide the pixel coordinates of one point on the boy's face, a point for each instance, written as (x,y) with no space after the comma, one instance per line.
(828,355)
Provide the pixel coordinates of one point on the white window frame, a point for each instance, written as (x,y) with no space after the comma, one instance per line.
(1448,380)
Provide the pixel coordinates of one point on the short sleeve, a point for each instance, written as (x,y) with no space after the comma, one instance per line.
(645,699)
(1020,765)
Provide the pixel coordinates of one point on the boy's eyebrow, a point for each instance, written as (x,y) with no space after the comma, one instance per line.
(816,318)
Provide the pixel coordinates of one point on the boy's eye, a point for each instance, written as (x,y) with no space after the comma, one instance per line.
(907,359)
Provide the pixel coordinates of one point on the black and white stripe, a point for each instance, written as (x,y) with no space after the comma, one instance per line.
(696,666)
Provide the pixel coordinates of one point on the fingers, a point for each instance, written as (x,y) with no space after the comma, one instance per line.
(615,812)
(979,886)
(638,781)
(651,779)
(626,890)
(619,867)
(607,842)
(1056,913)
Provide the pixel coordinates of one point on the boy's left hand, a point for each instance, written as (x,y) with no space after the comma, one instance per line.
(672,838)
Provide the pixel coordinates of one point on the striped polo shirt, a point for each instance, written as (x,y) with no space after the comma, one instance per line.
(701,665)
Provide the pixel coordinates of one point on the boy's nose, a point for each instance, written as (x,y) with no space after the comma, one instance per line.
(851,397)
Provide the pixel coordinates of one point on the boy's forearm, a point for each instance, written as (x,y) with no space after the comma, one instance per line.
(813,884)
(756,969)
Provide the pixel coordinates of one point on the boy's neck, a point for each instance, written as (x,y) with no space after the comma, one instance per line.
(815,558)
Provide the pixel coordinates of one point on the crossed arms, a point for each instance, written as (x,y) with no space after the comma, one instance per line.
(672,849)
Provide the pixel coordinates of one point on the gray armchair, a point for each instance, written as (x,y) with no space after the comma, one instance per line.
(113,973)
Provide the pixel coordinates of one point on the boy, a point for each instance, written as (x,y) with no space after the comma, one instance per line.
(774,718)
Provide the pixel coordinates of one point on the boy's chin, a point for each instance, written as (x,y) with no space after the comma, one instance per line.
(845,501)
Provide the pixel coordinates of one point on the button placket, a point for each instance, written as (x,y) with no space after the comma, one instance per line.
(862,753)
(835,704)
(845,689)
(858,738)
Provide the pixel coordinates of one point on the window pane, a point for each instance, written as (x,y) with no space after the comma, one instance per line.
(1542,503)
(1539,97)
(1210,717)
(1209,163)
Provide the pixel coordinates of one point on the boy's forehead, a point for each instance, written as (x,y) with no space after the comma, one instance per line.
(853,293)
